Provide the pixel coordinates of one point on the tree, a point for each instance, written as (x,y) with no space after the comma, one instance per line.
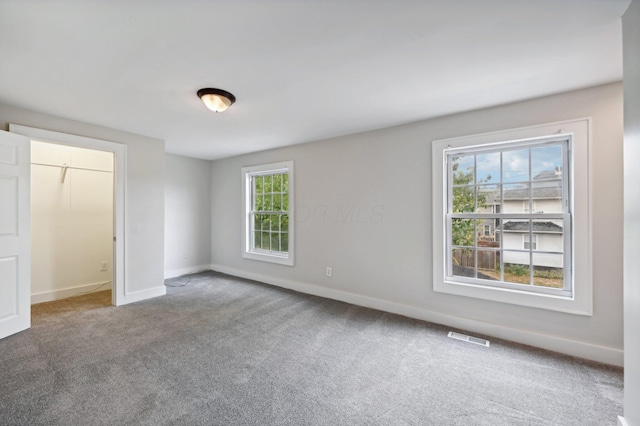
(465,200)
(271,198)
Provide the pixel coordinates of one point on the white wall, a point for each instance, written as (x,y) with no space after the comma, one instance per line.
(631,42)
(187,230)
(71,221)
(364,208)
(144,197)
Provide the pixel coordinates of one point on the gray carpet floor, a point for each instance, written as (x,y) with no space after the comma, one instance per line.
(219,350)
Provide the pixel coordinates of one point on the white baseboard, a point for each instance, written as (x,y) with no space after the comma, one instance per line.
(622,421)
(607,355)
(137,296)
(48,296)
(172,273)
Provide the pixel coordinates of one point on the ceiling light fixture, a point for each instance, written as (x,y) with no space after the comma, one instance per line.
(216,100)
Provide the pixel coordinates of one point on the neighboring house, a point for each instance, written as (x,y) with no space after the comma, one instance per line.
(546,235)
(489,230)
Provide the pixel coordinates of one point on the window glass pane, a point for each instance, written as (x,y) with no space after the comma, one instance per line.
(515,196)
(267,205)
(462,169)
(488,168)
(462,232)
(488,265)
(259,203)
(516,267)
(284,223)
(488,196)
(277,183)
(512,231)
(546,162)
(549,235)
(464,200)
(259,187)
(488,234)
(275,242)
(277,202)
(284,242)
(285,202)
(548,270)
(515,166)
(547,196)
(264,241)
(256,240)
(463,262)
(266,222)
(285,182)
(529,242)
(267,183)
(275,223)
(257,221)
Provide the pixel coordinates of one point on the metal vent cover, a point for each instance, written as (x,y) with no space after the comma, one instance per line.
(470,339)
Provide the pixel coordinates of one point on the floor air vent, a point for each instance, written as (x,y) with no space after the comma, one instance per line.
(470,339)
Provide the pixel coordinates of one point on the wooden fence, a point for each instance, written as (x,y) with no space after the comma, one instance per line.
(487,259)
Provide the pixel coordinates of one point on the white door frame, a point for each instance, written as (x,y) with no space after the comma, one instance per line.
(120,156)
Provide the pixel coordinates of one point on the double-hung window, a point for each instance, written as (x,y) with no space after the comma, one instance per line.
(532,186)
(268,202)
(510,174)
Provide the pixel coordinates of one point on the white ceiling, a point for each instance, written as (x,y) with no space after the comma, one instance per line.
(302,70)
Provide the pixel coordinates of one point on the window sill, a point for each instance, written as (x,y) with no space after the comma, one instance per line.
(515,297)
(269,257)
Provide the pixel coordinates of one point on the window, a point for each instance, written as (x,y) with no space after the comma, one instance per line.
(527,244)
(487,230)
(529,183)
(268,195)
(512,174)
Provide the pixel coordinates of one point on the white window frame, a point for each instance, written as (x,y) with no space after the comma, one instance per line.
(248,252)
(580,300)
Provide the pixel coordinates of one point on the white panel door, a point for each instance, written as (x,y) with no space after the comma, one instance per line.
(15,304)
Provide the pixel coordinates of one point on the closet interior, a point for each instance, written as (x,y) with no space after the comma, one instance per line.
(72,192)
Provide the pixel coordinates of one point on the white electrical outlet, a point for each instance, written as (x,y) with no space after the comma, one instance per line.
(329,271)
(104,265)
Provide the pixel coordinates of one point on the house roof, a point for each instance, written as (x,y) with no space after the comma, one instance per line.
(537,226)
(548,192)
(545,185)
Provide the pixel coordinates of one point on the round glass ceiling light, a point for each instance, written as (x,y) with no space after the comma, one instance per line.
(216,100)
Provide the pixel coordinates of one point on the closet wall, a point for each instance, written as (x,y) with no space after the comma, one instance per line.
(71,221)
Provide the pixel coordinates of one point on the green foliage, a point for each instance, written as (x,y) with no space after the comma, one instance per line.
(553,274)
(462,232)
(464,201)
(271,204)
(516,269)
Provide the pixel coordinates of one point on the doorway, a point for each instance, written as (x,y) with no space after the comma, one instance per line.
(116,266)
(72,234)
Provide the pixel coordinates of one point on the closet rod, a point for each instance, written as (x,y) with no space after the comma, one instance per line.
(69,167)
